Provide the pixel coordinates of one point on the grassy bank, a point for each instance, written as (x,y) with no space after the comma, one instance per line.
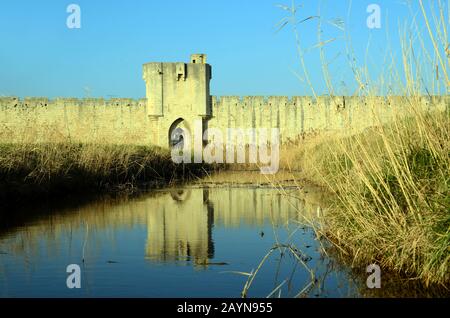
(34,170)
(391,185)
(391,182)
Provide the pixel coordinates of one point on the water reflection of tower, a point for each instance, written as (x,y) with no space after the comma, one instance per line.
(180,227)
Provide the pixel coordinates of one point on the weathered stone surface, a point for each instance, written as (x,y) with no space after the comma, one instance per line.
(178,94)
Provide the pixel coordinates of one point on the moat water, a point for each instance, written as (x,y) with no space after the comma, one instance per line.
(187,242)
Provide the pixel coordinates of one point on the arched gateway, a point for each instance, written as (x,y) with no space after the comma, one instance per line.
(178,132)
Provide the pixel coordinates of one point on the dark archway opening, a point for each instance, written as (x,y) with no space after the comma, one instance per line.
(178,134)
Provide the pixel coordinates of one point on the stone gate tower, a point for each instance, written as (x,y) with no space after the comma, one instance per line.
(178,96)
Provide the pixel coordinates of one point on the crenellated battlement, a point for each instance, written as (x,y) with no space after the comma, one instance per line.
(71,101)
(178,95)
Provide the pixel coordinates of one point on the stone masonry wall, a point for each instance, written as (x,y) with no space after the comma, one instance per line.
(300,116)
(119,121)
(126,121)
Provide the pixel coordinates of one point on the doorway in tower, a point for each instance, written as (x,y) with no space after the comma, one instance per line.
(179,134)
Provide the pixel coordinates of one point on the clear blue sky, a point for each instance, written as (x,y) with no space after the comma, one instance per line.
(40,56)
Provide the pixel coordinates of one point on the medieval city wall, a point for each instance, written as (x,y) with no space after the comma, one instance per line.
(126,121)
(300,116)
(119,121)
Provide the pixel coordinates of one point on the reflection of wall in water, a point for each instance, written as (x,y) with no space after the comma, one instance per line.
(180,229)
(236,206)
(179,224)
